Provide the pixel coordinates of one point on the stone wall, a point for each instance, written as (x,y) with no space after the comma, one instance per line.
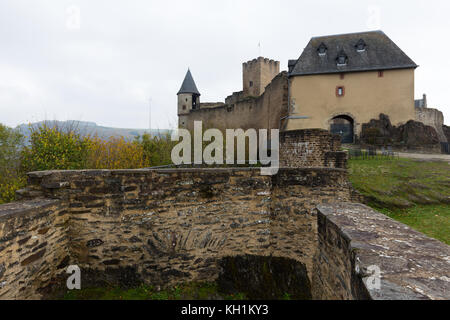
(311,148)
(263,112)
(413,135)
(355,240)
(446,130)
(163,226)
(434,118)
(34,247)
(166,226)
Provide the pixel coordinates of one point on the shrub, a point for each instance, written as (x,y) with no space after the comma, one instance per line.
(157,149)
(65,148)
(115,153)
(11,176)
(371,135)
(55,149)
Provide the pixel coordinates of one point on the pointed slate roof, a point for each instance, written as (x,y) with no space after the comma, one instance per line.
(188,85)
(366,51)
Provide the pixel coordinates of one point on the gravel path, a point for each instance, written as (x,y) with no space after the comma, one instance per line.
(425,156)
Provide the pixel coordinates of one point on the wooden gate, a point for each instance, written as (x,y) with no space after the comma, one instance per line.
(345,130)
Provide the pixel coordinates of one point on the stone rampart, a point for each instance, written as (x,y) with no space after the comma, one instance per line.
(358,244)
(311,148)
(163,226)
(294,232)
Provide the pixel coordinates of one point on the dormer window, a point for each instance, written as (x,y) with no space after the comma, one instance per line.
(341,59)
(360,46)
(322,49)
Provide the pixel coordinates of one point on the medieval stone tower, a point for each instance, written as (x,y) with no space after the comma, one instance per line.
(248,108)
(188,97)
(257,74)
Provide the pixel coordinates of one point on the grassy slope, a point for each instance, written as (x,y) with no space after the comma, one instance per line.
(416,193)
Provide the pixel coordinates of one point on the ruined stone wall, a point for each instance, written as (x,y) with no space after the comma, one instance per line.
(413,135)
(170,225)
(211,104)
(357,245)
(434,118)
(311,148)
(166,225)
(33,247)
(263,112)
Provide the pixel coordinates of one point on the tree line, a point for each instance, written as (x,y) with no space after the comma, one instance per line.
(65,148)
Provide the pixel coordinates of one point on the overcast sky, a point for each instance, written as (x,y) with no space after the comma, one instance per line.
(104,66)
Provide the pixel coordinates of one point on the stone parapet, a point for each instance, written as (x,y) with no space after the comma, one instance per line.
(355,240)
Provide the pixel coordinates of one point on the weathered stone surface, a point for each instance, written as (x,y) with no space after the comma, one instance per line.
(94,243)
(33,257)
(311,148)
(413,135)
(264,277)
(353,237)
(33,235)
(434,118)
(158,217)
(446,131)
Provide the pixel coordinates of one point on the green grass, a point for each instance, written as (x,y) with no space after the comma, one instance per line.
(432,220)
(416,193)
(187,291)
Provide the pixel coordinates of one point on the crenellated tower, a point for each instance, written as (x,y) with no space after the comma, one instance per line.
(257,74)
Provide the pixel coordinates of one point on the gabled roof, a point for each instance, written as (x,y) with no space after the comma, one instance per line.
(375,52)
(188,85)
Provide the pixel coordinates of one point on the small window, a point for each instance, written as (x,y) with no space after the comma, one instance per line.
(360,46)
(341,76)
(186,99)
(380,74)
(251,84)
(184,107)
(322,49)
(341,59)
(340,91)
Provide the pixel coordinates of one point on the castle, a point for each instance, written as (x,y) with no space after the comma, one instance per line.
(338,83)
(298,232)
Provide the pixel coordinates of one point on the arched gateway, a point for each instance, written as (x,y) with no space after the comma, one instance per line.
(343,125)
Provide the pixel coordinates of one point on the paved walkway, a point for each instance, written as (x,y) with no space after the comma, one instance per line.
(418,156)
(425,156)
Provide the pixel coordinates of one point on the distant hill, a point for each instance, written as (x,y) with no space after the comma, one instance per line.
(91,128)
